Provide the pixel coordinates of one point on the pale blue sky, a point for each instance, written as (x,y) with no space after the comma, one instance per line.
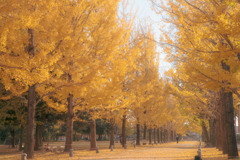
(144,14)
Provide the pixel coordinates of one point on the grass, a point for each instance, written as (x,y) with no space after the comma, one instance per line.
(171,151)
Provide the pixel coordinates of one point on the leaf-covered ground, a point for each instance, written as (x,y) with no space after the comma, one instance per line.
(171,151)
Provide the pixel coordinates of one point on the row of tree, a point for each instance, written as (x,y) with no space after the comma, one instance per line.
(203,45)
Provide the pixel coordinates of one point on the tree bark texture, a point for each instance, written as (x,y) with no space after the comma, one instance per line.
(238,118)
(112,124)
(69,124)
(227,105)
(154,136)
(158,135)
(172,135)
(150,135)
(29,140)
(226,99)
(93,142)
(124,138)
(205,133)
(219,134)
(212,126)
(169,135)
(161,134)
(219,123)
(165,135)
(138,135)
(145,132)
(38,137)
(13,137)
(223,130)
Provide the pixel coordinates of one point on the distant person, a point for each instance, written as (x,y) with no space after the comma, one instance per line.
(177,138)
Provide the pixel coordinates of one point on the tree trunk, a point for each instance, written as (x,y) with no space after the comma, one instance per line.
(29,140)
(226,99)
(169,136)
(38,137)
(150,136)
(238,118)
(219,134)
(219,123)
(161,134)
(227,102)
(205,133)
(93,142)
(112,123)
(138,135)
(13,137)
(124,131)
(212,126)
(158,135)
(69,124)
(36,146)
(145,132)
(223,131)
(172,135)
(154,136)
(165,135)
(21,138)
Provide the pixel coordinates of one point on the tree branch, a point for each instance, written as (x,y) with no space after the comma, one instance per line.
(58,88)
(57,46)
(6,66)
(167,44)
(206,75)
(195,7)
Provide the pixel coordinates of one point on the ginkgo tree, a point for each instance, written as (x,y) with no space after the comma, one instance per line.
(32,34)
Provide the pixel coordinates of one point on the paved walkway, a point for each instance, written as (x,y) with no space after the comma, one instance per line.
(171,151)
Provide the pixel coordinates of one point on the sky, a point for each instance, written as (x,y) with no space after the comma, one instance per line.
(144,14)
